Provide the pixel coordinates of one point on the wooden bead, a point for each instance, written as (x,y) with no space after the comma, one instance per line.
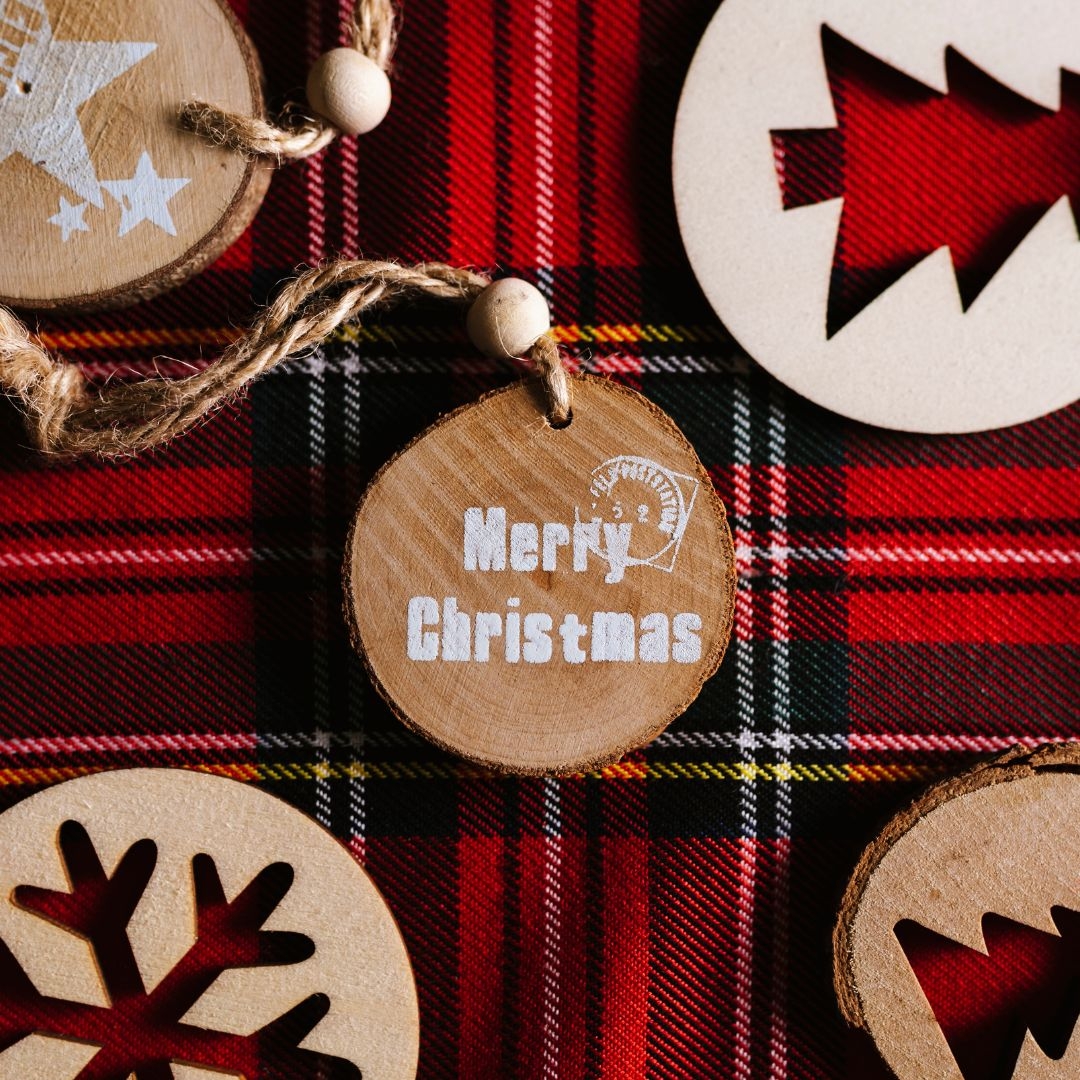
(350,90)
(507,318)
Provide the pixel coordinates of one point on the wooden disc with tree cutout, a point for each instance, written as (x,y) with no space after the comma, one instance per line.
(542,600)
(106,199)
(957,942)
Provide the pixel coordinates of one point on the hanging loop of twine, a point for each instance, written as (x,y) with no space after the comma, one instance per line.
(297,134)
(66,414)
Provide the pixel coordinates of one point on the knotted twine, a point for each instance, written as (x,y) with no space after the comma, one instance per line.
(66,414)
(373,32)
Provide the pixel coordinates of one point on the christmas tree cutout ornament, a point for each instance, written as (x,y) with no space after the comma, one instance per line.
(958,939)
(162,923)
(879,202)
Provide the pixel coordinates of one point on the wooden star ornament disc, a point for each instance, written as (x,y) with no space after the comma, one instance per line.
(106,199)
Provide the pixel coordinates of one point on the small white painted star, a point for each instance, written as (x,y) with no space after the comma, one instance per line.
(69,219)
(145,197)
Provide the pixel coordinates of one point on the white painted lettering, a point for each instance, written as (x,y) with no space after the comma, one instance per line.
(524,546)
(537,638)
(456,638)
(612,636)
(572,630)
(423,644)
(513,631)
(485,538)
(653,645)
(555,537)
(687,647)
(488,625)
(586,539)
(617,542)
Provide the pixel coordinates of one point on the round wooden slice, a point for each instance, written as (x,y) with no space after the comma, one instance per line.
(106,199)
(115,938)
(542,600)
(830,159)
(977,879)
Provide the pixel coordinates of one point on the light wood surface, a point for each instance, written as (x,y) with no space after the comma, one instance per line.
(574,651)
(359,959)
(106,199)
(1009,848)
(913,359)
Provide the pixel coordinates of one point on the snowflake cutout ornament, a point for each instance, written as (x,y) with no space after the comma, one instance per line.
(168,925)
(878,201)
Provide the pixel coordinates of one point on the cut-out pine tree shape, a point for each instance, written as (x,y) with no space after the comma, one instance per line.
(142,1032)
(1025,987)
(972,170)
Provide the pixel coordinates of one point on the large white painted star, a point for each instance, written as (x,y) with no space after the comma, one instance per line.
(145,197)
(40,98)
(69,219)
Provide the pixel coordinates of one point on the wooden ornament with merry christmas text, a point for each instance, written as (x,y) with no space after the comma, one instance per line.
(106,198)
(542,599)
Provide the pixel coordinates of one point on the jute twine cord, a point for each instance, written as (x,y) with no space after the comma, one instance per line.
(1018,763)
(66,414)
(297,135)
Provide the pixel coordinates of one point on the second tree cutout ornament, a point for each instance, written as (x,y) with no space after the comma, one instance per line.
(957,938)
(876,200)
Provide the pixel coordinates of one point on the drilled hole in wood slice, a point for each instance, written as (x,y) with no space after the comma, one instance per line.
(106,199)
(542,600)
(176,954)
(958,943)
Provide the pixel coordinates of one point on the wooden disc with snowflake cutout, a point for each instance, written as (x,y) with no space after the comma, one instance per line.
(165,922)
(106,199)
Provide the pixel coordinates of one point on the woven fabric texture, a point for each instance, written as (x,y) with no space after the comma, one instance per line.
(905,603)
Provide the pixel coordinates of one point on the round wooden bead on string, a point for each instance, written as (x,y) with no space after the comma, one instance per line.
(350,90)
(508,318)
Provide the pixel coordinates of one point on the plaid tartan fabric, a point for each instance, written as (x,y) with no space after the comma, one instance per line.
(906,603)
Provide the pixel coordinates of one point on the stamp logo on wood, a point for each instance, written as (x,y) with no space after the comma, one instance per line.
(878,200)
(161,922)
(958,942)
(542,599)
(106,198)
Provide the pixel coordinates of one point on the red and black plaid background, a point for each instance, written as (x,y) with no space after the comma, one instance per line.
(906,603)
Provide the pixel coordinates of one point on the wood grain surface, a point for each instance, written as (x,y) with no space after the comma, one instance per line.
(106,199)
(359,959)
(999,840)
(542,600)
